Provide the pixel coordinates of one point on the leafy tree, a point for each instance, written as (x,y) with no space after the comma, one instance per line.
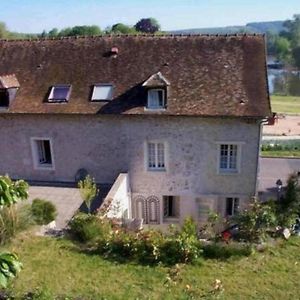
(148,25)
(282,48)
(3,30)
(88,191)
(121,28)
(296,56)
(10,193)
(53,32)
(293,31)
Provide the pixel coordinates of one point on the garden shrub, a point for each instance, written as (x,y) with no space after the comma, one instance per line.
(43,211)
(254,223)
(88,228)
(14,219)
(225,251)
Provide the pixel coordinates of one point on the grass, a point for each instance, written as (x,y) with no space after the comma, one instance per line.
(289,153)
(285,104)
(58,265)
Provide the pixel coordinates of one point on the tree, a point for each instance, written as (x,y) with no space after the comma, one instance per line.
(148,25)
(282,48)
(3,30)
(121,28)
(292,31)
(53,32)
(10,193)
(88,191)
(296,56)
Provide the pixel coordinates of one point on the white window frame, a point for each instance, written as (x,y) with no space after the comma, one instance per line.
(35,155)
(99,85)
(53,100)
(234,200)
(229,171)
(146,155)
(163,107)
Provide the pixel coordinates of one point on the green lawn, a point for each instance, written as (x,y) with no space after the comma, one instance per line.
(285,104)
(289,153)
(60,266)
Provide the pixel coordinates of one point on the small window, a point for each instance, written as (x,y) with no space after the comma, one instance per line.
(156,156)
(156,99)
(228,158)
(232,206)
(59,93)
(171,207)
(42,153)
(4,98)
(102,92)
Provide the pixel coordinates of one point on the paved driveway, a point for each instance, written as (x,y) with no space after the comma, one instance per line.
(272,169)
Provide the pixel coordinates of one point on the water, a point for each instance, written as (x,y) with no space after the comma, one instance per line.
(284,82)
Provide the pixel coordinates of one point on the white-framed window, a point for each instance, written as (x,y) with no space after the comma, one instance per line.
(229,158)
(171,207)
(156,99)
(42,153)
(102,92)
(232,206)
(156,156)
(60,93)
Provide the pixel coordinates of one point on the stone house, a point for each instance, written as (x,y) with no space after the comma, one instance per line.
(173,123)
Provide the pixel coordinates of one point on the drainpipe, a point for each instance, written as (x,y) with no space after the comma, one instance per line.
(260,123)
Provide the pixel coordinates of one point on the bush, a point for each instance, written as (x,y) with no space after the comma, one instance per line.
(87,228)
(254,223)
(14,219)
(225,251)
(43,211)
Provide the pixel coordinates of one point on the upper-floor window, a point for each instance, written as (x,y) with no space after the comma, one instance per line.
(156,156)
(59,93)
(228,158)
(102,92)
(232,206)
(156,99)
(4,98)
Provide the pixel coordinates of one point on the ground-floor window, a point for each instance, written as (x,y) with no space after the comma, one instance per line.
(171,207)
(42,153)
(232,206)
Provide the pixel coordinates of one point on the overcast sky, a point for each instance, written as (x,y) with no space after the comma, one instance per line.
(37,15)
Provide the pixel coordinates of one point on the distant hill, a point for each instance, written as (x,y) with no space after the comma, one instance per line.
(255,27)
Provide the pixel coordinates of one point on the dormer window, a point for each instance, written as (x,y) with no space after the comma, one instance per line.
(4,98)
(102,92)
(59,93)
(156,99)
(9,86)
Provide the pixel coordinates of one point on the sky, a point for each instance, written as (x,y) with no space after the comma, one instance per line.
(33,16)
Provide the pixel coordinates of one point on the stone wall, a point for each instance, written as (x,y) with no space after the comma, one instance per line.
(109,145)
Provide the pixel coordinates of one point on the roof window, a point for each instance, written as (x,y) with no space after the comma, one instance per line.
(102,92)
(59,93)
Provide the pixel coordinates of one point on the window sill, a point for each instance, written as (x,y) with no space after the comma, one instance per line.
(45,167)
(155,109)
(156,170)
(170,220)
(224,172)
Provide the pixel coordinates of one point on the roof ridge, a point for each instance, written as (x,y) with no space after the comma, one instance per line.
(90,37)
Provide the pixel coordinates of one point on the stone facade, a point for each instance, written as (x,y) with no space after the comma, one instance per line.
(109,145)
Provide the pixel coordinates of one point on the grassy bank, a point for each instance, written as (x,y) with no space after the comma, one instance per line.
(280,154)
(60,267)
(285,104)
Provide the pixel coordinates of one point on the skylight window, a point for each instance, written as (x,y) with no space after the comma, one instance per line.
(102,92)
(59,93)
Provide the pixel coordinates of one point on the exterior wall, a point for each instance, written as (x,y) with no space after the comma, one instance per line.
(119,198)
(109,145)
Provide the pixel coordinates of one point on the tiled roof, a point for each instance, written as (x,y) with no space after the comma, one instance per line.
(208,75)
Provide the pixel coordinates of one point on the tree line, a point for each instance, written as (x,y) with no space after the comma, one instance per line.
(145,25)
(285,46)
